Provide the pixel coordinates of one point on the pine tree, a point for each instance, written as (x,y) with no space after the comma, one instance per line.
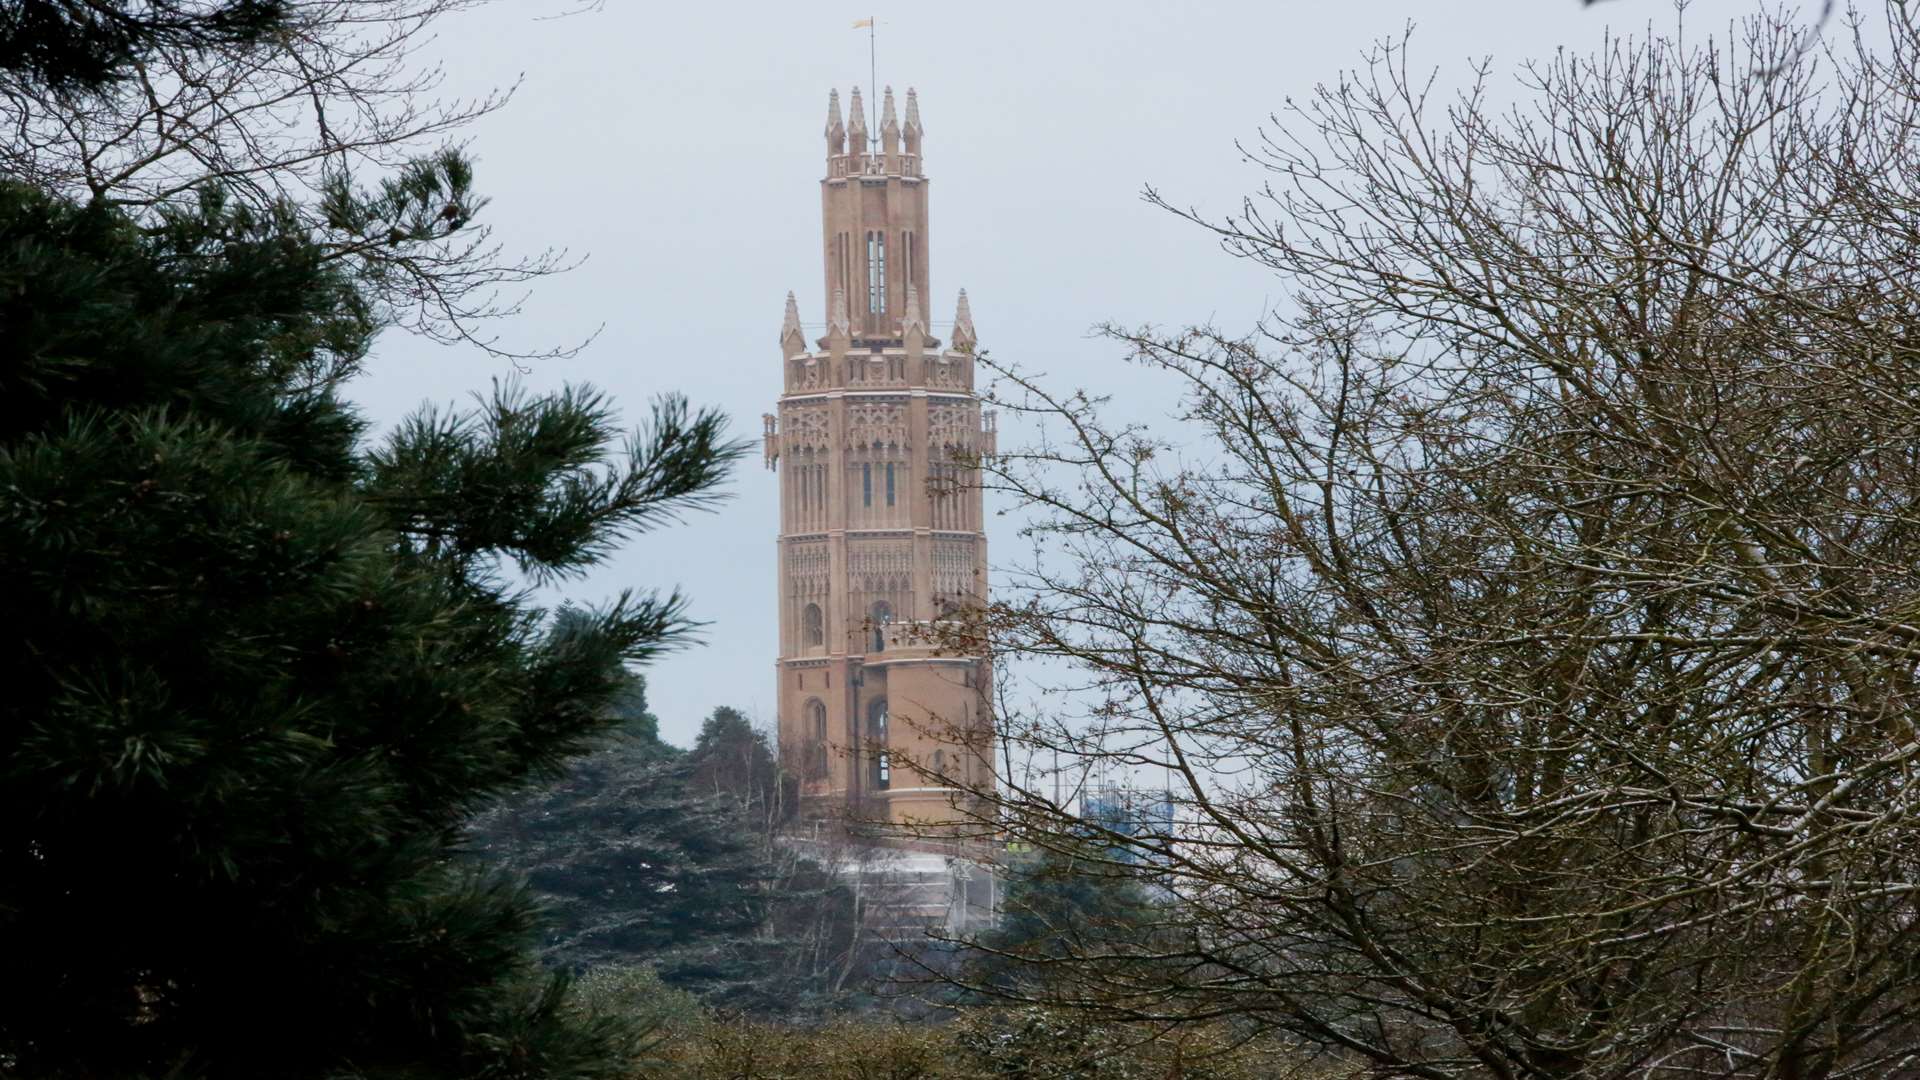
(259,674)
(90,44)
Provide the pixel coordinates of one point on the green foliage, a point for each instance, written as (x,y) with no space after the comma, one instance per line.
(67,45)
(1060,906)
(983,1044)
(258,677)
(732,759)
(647,856)
(637,991)
(427,198)
(633,867)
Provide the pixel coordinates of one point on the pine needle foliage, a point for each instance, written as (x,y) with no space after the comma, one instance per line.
(259,674)
(90,45)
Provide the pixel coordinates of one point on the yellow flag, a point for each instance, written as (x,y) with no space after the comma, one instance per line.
(862,24)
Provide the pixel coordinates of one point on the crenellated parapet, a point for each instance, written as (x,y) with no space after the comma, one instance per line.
(891,368)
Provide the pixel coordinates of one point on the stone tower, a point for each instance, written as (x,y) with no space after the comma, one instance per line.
(880,512)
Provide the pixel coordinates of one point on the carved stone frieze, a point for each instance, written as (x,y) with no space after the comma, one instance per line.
(881,566)
(878,423)
(954,567)
(806,428)
(807,569)
(953,428)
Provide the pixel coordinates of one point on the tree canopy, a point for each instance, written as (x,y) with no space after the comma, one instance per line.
(1522,612)
(259,673)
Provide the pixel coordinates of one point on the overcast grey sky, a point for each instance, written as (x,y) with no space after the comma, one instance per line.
(678,147)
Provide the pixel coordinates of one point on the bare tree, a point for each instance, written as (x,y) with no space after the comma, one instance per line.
(1527,614)
(329,115)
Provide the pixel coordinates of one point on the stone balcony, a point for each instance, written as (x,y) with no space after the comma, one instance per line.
(942,639)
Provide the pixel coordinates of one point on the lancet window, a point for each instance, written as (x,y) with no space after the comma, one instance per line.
(817,734)
(877,737)
(877,273)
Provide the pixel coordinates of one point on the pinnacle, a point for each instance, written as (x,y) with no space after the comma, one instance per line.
(791,324)
(837,320)
(887,119)
(913,110)
(913,317)
(856,112)
(964,337)
(833,112)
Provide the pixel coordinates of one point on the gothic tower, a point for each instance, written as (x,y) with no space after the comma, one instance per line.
(880,512)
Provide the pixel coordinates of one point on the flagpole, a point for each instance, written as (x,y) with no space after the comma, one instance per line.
(873,67)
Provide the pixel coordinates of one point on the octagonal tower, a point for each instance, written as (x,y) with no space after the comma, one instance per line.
(881,540)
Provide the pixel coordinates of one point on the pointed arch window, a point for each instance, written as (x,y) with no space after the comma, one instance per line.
(814,628)
(877,273)
(817,731)
(880,616)
(877,737)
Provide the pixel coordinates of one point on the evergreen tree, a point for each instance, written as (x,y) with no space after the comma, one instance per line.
(632,864)
(89,44)
(648,856)
(1060,905)
(731,758)
(259,674)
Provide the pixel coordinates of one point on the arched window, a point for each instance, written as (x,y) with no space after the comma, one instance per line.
(882,770)
(817,730)
(939,762)
(877,272)
(880,616)
(814,626)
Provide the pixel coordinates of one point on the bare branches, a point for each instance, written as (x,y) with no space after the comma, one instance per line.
(1528,625)
(332,101)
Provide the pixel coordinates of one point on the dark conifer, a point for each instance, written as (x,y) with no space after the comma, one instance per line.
(258,675)
(89,44)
